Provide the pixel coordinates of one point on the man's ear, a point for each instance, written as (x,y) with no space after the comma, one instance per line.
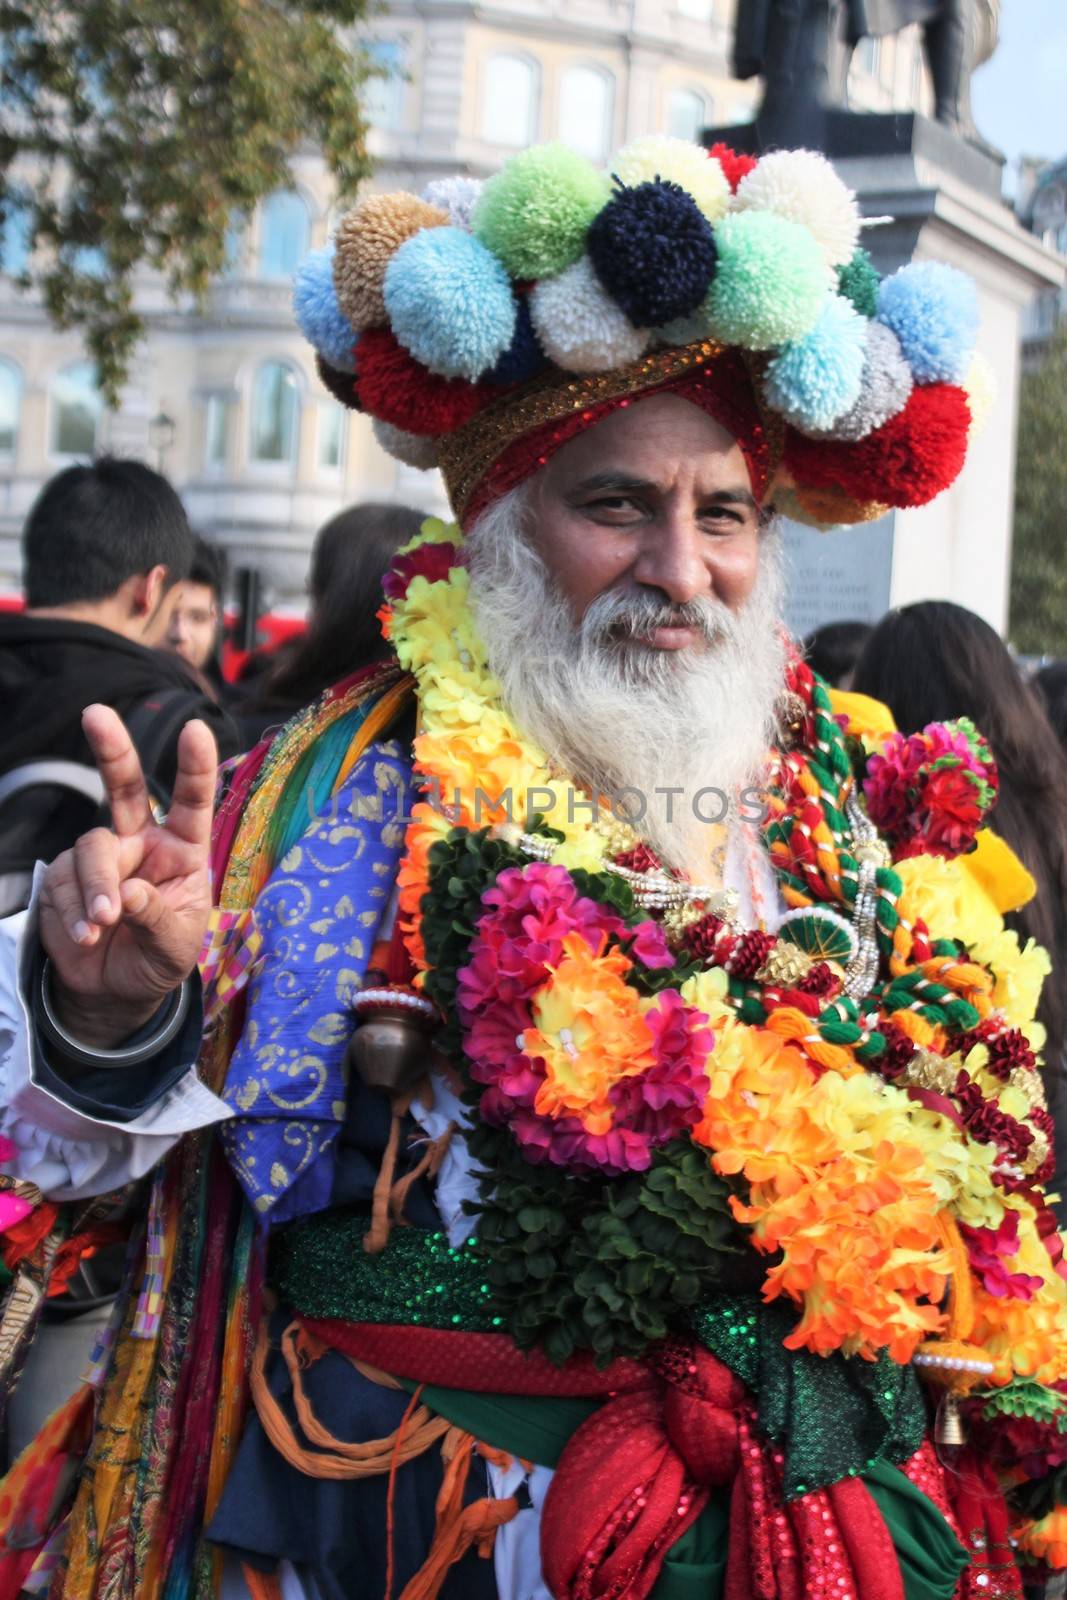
(147,590)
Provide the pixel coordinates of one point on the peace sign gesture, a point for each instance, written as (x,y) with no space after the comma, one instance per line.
(123,914)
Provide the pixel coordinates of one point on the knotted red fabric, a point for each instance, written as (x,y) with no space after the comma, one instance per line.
(637,1474)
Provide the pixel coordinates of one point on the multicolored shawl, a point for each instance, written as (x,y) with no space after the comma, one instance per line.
(171,1408)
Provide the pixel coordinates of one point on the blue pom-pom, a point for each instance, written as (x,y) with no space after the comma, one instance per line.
(654,252)
(814,380)
(318,316)
(933,310)
(450,303)
(523,358)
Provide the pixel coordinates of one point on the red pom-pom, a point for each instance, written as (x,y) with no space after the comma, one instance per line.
(906,462)
(398,389)
(735,166)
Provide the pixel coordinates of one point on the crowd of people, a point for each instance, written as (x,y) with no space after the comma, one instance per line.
(547,1089)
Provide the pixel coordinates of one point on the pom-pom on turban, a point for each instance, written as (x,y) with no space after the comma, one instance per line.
(487,323)
(653,250)
(366,242)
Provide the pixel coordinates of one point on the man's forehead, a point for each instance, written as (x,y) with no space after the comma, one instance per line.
(654,442)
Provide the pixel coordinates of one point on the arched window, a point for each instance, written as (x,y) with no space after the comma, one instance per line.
(275,414)
(76,410)
(284,230)
(383,96)
(586,108)
(15,240)
(216,430)
(687,113)
(10,405)
(509,109)
(332,430)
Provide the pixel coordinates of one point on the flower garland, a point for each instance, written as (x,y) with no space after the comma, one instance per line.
(883,1137)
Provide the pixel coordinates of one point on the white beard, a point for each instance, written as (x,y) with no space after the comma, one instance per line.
(618,716)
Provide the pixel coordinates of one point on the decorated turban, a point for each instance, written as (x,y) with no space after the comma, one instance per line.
(481,326)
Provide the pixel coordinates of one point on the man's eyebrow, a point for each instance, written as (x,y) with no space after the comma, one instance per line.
(735,495)
(615,481)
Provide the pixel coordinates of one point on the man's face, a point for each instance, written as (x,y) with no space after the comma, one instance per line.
(655,498)
(193,623)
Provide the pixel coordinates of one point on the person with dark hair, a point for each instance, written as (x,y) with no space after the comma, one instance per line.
(934,661)
(105,548)
(1051,684)
(350,556)
(833,650)
(193,631)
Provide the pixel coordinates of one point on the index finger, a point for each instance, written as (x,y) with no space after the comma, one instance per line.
(120,767)
(193,800)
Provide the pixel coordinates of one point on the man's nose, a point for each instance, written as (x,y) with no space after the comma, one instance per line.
(673,560)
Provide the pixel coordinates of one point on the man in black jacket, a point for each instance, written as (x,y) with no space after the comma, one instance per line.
(104,548)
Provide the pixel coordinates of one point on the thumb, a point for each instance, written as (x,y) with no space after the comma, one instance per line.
(141,903)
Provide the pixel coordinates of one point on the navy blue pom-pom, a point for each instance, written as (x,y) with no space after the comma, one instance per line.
(654,252)
(523,358)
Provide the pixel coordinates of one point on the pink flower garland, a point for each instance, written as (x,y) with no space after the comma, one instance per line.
(518,946)
(930,792)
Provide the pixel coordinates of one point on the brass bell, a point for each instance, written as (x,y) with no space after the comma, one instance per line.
(390,1050)
(948,1426)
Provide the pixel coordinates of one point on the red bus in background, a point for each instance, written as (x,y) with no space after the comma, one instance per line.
(273,628)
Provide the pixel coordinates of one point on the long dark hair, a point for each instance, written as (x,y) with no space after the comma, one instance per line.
(934,661)
(351,554)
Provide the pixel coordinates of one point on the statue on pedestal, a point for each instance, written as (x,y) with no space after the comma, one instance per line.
(801,48)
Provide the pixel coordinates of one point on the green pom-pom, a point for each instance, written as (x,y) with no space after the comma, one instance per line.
(858,281)
(771,281)
(535,213)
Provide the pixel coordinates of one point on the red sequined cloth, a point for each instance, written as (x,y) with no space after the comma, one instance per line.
(638,1472)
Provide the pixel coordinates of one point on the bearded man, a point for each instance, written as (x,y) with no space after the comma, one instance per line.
(525,1049)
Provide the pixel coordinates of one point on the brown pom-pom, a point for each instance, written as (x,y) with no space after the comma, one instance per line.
(831,506)
(342,385)
(367,239)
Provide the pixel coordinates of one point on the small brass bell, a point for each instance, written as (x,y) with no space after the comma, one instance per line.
(390,1050)
(948,1427)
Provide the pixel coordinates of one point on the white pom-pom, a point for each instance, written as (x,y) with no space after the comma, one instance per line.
(803,186)
(657,155)
(456,197)
(579,326)
(413,449)
(980,387)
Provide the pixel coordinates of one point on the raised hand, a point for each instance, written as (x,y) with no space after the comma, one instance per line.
(123,914)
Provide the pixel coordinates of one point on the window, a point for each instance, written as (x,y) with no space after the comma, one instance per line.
(383,97)
(686,114)
(332,419)
(235,248)
(509,111)
(15,240)
(586,107)
(869,56)
(1060,239)
(283,235)
(10,405)
(275,414)
(76,410)
(699,10)
(216,430)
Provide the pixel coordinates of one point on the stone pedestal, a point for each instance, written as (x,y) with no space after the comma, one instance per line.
(929,196)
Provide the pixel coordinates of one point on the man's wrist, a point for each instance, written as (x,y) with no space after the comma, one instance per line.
(100,1027)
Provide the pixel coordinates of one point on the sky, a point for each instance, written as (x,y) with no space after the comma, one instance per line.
(1020,96)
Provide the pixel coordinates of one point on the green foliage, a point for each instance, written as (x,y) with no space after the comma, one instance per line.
(134,132)
(1039,549)
(607,1265)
